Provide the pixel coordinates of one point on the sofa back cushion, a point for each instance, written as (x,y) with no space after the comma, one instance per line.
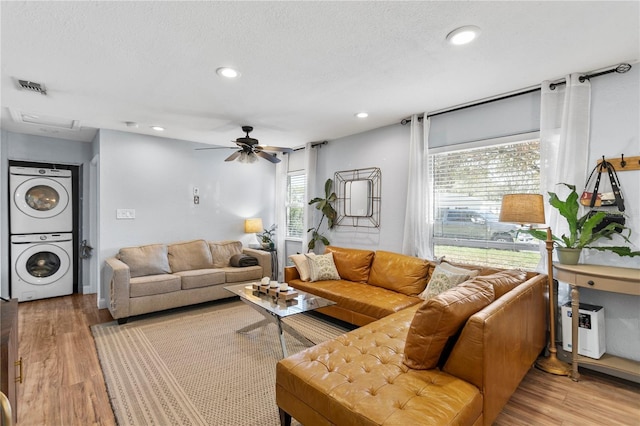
(440,318)
(189,255)
(405,274)
(151,259)
(352,264)
(221,251)
(504,281)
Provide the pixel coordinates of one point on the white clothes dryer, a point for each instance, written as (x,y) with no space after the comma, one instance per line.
(41,200)
(42,266)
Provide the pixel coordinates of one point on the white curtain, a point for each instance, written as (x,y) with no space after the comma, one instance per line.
(311,160)
(564,142)
(282,169)
(417,223)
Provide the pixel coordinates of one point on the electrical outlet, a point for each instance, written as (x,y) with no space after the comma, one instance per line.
(196,191)
(196,199)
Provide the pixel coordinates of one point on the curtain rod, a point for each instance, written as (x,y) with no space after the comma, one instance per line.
(620,69)
(313,145)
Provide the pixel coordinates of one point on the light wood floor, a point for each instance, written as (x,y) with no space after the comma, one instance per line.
(63,384)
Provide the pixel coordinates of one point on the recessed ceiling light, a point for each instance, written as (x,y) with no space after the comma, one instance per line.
(158,128)
(227,72)
(362,115)
(463,35)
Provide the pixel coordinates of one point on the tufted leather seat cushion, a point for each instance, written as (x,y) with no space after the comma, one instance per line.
(360,378)
(352,264)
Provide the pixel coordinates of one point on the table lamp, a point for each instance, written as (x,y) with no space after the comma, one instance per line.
(528,209)
(253,226)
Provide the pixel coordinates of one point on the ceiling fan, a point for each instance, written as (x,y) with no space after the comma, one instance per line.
(250,150)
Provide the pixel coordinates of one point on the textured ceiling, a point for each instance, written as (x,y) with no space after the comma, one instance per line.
(307,67)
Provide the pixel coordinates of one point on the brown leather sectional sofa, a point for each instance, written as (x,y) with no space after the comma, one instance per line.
(422,362)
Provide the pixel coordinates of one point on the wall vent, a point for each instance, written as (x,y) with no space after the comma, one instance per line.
(32,86)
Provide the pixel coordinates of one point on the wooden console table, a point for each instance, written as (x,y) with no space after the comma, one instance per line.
(602,278)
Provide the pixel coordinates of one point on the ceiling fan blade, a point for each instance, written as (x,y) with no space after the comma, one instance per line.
(216,147)
(269,157)
(233,156)
(273,148)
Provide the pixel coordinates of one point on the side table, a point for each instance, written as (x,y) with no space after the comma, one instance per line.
(602,278)
(274,262)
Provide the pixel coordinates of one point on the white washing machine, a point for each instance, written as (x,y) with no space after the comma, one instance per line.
(42,266)
(40,200)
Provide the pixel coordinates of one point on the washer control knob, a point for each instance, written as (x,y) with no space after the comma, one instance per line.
(43,237)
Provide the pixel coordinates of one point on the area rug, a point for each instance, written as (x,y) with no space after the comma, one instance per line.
(191,367)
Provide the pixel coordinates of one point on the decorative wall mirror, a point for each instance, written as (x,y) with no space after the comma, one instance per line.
(358,202)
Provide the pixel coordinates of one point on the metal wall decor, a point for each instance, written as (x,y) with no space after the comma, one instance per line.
(359,200)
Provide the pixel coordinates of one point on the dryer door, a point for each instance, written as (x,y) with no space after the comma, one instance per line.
(41,198)
(42,264)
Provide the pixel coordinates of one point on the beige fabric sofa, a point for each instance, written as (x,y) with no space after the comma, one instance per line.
(156,277)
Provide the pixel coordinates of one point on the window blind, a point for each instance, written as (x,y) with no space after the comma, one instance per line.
(468,186)
(295,204)
(513,115)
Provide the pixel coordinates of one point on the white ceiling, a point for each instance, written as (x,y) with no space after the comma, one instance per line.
(307,67)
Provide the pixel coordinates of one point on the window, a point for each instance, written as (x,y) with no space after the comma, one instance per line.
(295,204)
(468,185)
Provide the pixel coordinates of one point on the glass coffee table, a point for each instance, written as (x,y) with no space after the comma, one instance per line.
(274,309)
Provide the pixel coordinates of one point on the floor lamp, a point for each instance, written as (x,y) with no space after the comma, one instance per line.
(528,209)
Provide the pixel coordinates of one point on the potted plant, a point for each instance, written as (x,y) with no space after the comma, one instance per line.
(266,237)
(326,207)
(584,230)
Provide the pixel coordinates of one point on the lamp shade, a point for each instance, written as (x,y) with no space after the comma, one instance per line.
(251,226)
(522,209)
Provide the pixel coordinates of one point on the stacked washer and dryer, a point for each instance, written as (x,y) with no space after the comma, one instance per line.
(41,224)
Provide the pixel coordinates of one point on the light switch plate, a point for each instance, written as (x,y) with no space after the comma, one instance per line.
(125,213)
(196,191)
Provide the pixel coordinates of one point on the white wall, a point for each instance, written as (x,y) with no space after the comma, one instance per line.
(615,130)
(386,148)
(156,177)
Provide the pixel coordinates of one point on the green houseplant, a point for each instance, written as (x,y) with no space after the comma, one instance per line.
(326,207)
(582,230)
(266,237)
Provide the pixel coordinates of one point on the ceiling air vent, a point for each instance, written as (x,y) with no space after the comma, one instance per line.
(32,86)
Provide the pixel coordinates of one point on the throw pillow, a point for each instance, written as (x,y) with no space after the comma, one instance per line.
(301,264)
(441,317)
(459,270)
(146,260)
(321,267)
(443,278)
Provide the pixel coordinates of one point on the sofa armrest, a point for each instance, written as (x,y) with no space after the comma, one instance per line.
(118,276)
(499,344)
(291,273)
(264,259)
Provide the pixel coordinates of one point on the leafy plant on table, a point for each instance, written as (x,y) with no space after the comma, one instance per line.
(582,231)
